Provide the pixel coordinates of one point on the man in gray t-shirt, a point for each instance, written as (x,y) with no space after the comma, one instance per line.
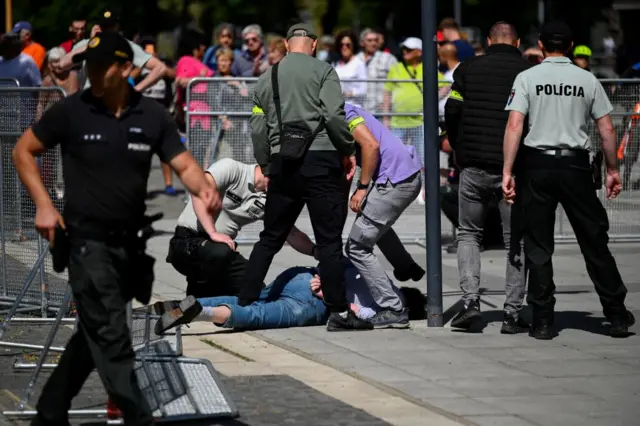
(206,252)
(109,22)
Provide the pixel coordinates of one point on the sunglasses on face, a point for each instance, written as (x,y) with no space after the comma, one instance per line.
(407,50)
(371,40)
(251,39)
(225,35)
(346,45)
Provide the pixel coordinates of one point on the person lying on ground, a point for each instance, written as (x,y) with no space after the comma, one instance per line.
(293,299)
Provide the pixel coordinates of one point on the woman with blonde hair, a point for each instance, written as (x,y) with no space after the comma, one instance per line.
(276,50)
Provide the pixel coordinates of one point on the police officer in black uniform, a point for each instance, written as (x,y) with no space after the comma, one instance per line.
(108,135)
(560,99)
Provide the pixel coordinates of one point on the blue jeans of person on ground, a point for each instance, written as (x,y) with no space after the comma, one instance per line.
(286,302)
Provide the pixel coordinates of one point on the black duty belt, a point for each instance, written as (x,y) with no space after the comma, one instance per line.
(184,232)
(563,152)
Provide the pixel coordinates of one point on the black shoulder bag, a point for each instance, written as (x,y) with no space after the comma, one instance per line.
(295,136)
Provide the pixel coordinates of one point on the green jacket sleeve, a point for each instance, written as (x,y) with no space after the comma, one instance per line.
(259,134)
(333,109)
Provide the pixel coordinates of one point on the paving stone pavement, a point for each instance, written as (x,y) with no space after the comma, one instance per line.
(581,378)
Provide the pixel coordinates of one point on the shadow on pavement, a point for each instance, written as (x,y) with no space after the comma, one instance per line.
(152,195)
(574,320)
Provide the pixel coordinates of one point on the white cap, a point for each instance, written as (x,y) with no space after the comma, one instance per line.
(412,43)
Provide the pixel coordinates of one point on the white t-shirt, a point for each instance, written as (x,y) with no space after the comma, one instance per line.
(241,203)
(355,69)
(140,57)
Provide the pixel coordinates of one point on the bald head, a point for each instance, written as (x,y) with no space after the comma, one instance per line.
(304,45)
(503,33)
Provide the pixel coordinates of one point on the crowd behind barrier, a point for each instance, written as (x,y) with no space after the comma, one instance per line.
(218,111)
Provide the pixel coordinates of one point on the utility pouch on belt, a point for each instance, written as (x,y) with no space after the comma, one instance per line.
(61,250)
(596,168)
(295,137)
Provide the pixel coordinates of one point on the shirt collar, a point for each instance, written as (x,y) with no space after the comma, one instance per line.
(557,60)
(503,48)
(97,105)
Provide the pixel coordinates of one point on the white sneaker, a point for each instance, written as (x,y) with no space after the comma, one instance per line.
(421,198)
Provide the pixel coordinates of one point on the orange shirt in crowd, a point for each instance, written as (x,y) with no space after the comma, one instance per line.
(37,52)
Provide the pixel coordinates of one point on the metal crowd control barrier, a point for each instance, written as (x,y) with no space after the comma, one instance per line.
(217,122)
(176,388)
(20,107)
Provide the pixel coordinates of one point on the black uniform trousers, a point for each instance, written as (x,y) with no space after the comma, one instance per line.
(212,269)
(98,278)
(542,182)
(325,196)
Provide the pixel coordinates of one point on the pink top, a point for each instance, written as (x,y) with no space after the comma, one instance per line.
(190,67)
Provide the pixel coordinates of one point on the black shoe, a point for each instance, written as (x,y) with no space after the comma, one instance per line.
(542,332)
(511,325)
(391,319)
(186,311)
(161,307)
(415,273)
(350,322)
(469,317)
(620,327)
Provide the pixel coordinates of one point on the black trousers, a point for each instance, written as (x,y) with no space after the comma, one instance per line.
(545,182)
(326,199)
(212,269)
(98,278)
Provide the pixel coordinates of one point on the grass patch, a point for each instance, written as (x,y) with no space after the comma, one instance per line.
(223,349)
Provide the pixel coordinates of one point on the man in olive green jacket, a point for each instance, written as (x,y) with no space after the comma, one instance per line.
(300,141)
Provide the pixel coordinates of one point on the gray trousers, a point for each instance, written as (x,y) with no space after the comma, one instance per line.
(383,206)
(477,188)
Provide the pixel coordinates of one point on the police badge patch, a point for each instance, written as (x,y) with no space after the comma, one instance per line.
(513,93)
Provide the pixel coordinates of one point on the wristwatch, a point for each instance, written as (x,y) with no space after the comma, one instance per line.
(363,185)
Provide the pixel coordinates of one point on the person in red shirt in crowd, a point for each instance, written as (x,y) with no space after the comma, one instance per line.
(77,31)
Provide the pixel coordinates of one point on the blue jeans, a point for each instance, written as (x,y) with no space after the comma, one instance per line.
(286,302)
(412,136)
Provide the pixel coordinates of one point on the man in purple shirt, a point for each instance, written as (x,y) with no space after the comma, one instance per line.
(383,193)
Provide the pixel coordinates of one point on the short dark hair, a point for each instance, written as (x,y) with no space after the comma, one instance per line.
(415,302)
(556,46)
(503,31)
(351,36)
(190,40)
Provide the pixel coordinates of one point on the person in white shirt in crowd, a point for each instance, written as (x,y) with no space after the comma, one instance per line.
(378,64)
(110,22)
(160,92)
(16,65)
(448,55)
(351,67)
(325,51)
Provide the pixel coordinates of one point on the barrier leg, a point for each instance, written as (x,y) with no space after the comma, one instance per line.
(44,304)
(43,355)
(2,228)
(23,292)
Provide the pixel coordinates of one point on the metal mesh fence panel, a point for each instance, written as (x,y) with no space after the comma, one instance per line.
(217,127)
(19,109)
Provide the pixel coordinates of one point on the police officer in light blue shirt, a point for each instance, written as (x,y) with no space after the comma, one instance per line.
(560,99)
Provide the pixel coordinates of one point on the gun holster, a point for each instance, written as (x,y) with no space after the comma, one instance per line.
(60,250)
(596,169)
